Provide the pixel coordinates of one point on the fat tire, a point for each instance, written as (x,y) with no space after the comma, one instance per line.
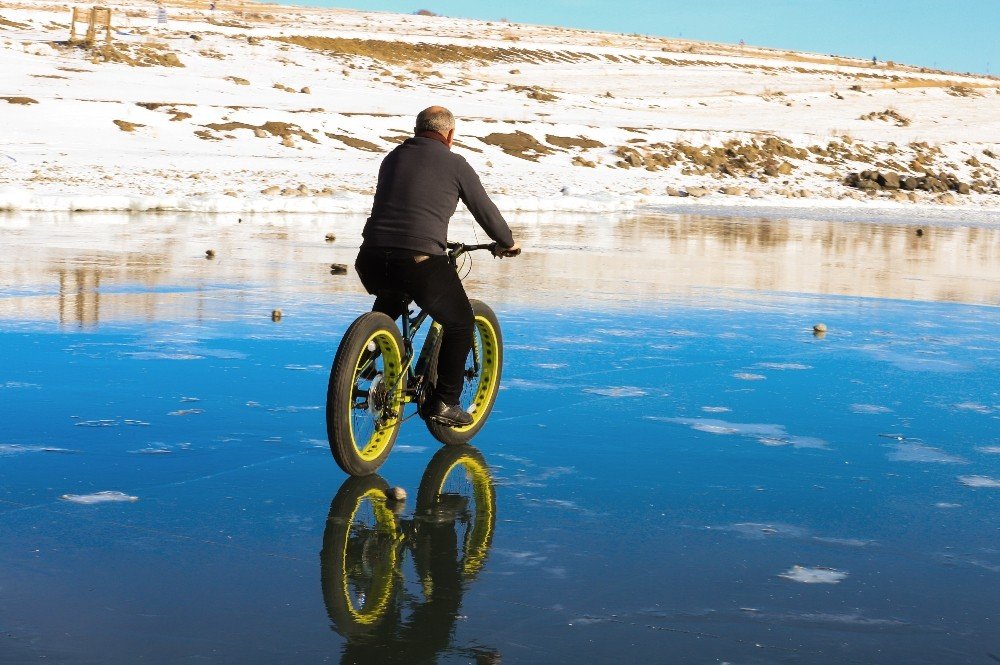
(340,391)
(451,436)
(479,539)
(333,564)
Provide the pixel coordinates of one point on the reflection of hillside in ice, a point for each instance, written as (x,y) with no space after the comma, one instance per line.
(92,268)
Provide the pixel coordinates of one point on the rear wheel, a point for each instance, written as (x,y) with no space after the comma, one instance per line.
(481,383)
(364,398)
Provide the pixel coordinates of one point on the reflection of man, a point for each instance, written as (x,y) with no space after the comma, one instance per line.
(429,627)
(361,561)
(404,250)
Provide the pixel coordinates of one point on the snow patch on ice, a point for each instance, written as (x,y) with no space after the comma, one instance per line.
(97,423)
(979,481)
(819,575)
(572,340)
(974,406)
(18,449)
(870,408)
(918,452)
(617,391)
(619,332)
(759,531)
(99,497)
(162,355)
(764,433)
(748,376)
(526,384)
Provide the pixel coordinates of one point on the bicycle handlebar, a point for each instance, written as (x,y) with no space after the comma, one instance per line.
(456,249)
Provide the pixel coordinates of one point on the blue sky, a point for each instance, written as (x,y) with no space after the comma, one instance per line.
(960,35)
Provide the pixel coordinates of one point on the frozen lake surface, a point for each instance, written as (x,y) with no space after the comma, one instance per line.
(676,463)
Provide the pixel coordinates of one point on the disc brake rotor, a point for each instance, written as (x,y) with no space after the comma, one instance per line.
(376,397)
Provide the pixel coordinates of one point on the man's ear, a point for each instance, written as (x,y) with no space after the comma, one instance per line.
(451,136)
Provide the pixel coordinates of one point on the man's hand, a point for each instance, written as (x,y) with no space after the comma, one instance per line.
(501,252)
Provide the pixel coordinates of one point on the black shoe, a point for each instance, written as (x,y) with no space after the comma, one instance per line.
(446,414)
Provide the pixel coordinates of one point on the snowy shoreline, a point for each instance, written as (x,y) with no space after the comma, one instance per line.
(285,110)
(15,202)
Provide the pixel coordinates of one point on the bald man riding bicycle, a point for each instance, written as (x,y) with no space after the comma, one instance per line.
(419,185)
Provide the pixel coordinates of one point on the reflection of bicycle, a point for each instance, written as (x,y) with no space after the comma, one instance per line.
(372,380)
(364,547)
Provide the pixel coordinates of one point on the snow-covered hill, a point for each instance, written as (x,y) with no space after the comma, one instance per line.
(270,108)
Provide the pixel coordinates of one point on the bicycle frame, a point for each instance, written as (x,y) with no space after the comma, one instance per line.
(411,325)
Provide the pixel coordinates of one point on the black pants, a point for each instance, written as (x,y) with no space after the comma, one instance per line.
(434,285)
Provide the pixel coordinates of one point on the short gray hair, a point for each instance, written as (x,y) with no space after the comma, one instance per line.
(435,119)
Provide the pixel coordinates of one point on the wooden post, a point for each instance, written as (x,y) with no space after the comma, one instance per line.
(91,27)
(72,25)
(102,19)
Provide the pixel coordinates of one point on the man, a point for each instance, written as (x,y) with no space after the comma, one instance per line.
(419,185)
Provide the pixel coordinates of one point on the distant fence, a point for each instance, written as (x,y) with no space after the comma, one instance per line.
(96,18)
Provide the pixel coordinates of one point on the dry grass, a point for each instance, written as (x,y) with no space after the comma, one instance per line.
(963,90)
(888,115)
(284,130)
(152,106)
(939,83)
(534,92)
(127,126)
(570,142)
(770,157)
(136,56)
(518,144)
(176,115)
(26,101)
(464,146)
(402,53)
(7,23)
(237,80)
(354,142)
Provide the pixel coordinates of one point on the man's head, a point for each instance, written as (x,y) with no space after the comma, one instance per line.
(436,119)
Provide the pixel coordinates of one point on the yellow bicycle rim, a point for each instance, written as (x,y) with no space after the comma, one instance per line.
(477,541)
(489,357)
(377,600)
(392,370)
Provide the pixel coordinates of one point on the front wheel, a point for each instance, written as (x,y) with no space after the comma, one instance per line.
(456,495)
(481,383)
(364,399)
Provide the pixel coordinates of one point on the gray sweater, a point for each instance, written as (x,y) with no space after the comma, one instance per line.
(419,185)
